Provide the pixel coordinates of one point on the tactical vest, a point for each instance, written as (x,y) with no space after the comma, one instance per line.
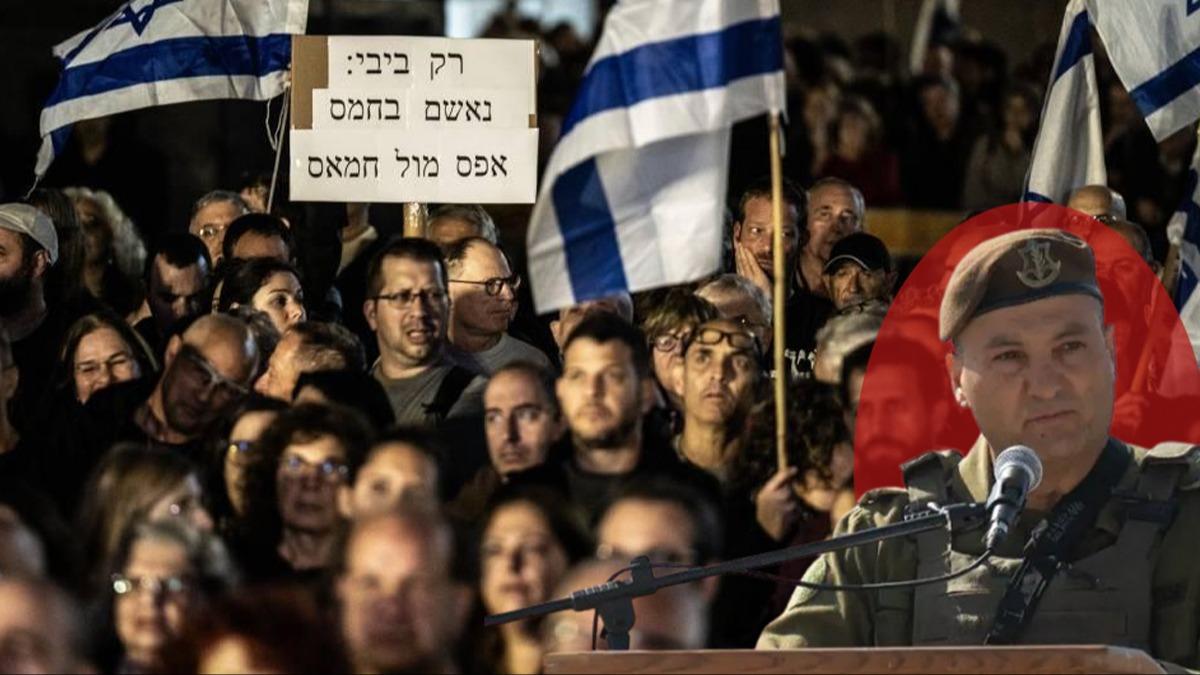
(1103,598)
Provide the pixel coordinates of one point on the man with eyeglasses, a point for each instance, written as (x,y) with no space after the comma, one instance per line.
(206,373)
(483,302)
(211,215)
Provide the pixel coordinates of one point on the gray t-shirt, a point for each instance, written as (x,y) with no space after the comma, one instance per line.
(412,396)
(508,350)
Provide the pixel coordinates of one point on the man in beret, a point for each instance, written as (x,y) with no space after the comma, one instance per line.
(1105,550)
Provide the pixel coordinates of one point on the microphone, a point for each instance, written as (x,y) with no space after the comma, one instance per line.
(1018,472)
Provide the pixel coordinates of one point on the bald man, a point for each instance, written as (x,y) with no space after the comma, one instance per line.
(207,372)
(1097,201)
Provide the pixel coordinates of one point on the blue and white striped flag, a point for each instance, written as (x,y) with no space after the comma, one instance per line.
(156,52)
(633,195)
(1154,45)
(1069,150)
(1184,231)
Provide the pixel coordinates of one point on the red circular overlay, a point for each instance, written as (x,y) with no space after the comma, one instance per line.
(907,407)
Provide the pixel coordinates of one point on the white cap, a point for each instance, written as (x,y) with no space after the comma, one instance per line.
(26,219)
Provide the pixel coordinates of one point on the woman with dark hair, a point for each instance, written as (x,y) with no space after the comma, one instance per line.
(64,279)
(100,350)
(292,523)
(230,453)
(529,537)
(1000,158)
(267,285)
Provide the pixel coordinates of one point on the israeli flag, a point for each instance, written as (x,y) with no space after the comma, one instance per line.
(633,195)
(1069,150)
(1154,45)
(156,52)
(1184,231)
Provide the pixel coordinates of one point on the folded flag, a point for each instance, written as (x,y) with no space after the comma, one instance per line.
(633,195)
(156,52)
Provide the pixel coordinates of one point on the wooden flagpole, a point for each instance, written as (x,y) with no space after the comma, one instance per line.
(782,372)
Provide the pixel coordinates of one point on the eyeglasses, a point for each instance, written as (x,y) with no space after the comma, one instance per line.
(211,231)
(668,342)
(114,363)
(156,586)
(200,373)
(715,336)
(406,297)
(494,285)
(330,470)
(239,447)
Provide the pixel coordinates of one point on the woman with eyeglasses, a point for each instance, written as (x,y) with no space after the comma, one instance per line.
(267,285)
(530,536)
(163,575)
(292,523)
(100,350)
(134,483)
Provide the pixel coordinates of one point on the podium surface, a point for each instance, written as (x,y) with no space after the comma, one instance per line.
(916,660)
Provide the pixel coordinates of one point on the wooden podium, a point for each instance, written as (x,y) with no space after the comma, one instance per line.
(916,660)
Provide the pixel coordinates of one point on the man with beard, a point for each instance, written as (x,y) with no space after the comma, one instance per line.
(483,302)
(1104,550)
(408,308)
(28,247)
(177,276)
(900,407)
(605,388)
(206,373)
(401,606)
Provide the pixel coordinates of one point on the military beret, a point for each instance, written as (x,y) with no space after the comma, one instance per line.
(1014,269)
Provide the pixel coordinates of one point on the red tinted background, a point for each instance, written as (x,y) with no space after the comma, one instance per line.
(907,407)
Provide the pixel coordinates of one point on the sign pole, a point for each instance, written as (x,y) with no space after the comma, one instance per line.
(780,294)
(415,215)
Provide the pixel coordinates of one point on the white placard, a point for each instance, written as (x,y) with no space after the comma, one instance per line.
(419,108)
(471,165)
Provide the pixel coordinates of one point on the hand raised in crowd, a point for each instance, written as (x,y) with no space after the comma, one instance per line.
(749,268)
(776,504)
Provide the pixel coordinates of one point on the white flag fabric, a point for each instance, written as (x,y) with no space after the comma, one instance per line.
(633,195)
(1184,228)
(936,21)
(1154,45)
(156,52)
(1069,150)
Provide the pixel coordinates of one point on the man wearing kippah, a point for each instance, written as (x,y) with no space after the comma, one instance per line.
(1105,551)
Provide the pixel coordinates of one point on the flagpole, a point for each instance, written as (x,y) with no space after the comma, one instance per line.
(777,305)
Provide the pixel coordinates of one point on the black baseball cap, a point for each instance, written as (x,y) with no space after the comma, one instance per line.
(865,249)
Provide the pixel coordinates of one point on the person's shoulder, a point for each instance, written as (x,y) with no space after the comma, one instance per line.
(1181,458)
(877,507)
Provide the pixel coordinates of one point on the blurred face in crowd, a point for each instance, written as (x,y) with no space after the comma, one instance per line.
(207,372)
(1017,113)
(741,308)
(307,481)
(476,310)
(395,473)
(210,223)
(410,318)
(102,358)
(521,559)
(35,631)
(570,317)
(447,230)
(158,598)
(892,415)
(185,503)
(520,422)
(1039,374)
(834,211)
(400,610)
(601,393)
(756,233)
(17,273)
(176,293)
(97,231)
(243,441)
(719,374)
(852,284)
(255,245)
(282,299)
(660,530)
(283,368)
(940,106)
(21,552)
(666,350)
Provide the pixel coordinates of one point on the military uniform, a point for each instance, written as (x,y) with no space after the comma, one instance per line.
(1131,579)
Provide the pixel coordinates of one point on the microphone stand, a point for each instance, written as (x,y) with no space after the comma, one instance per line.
(614,600)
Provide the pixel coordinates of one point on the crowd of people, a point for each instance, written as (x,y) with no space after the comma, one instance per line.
(218,456)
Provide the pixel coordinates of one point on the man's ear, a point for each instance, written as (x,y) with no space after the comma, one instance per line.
(677,378)
(891,281)
(173,347)
(368,309)
(555,327)
(1110,342)
(737,231)
(41,263)
(954,370)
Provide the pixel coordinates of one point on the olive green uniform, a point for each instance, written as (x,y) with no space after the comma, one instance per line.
(1135,580)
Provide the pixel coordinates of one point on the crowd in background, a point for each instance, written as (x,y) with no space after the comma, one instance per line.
(261,441)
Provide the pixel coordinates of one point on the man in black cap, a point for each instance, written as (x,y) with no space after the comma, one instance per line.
(859,270)
(1104,552)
